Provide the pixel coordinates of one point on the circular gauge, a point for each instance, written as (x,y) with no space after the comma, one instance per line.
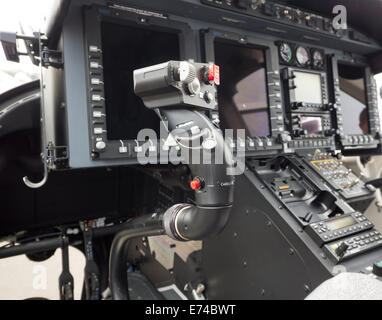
(318,59)
(302,56)
(286,52)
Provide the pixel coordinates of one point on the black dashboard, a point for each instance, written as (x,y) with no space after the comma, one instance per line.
(289,78)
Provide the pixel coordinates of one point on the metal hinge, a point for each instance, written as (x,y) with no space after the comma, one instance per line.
(36,49)
(51,58)
(56,155)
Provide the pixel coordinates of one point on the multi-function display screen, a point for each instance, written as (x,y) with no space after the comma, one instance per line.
(308,87)
(355,118)
(242,94)
(312,125)
(126,48)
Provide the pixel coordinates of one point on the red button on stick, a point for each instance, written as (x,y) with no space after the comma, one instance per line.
(216,74)
(211,74)
(195,184)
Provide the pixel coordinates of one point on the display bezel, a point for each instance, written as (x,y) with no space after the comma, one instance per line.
(356,144)
(247,46)
(93,19)
(321,133)
(272,72)
(363,67)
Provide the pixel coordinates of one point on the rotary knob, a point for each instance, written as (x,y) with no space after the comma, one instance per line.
(194,87)
(208,97)
(186,72)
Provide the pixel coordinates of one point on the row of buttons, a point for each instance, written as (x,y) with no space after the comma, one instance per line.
(276,113)
(374,120)
(310,143)
(360,139)
(337,105)
(314,106)
(97,99)
(364,240)
(251,143)
(341,233)
(148,148)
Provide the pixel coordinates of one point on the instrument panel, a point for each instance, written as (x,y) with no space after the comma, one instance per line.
(287,95)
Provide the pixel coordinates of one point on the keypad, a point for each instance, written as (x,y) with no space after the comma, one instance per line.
(357,244)
(327,235)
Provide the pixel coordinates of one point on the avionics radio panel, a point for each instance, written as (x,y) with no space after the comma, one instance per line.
(249,95)
(336,228)
(306,97)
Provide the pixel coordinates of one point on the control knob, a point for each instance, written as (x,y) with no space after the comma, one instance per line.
(377,268)
(185,72)
(341,249)
(299,132)
(208,96)
(297,105)
(194,87)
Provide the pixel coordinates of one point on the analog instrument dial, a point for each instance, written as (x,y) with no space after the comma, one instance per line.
(286,53)
(302,56)
(318,59)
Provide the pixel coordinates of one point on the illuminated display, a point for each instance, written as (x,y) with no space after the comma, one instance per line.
(308,87)
(312,125)
(340,223)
